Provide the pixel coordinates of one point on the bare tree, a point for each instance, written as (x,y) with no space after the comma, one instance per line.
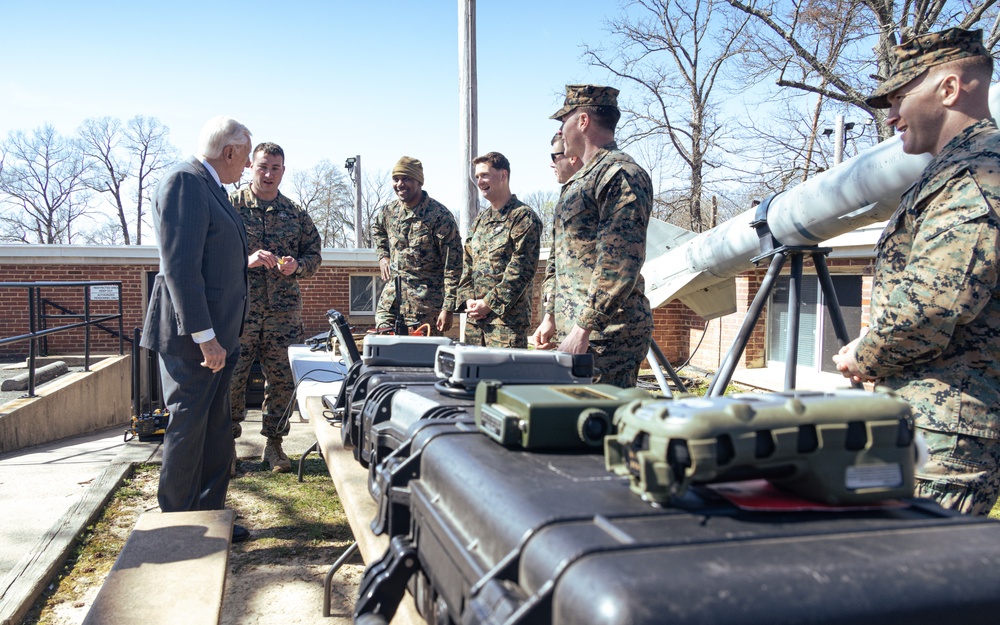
(325,193)
(674,50)
(106,231)
(376,192)
(544,203)
(146,139)
(43,187)
(123,162)
(824,47)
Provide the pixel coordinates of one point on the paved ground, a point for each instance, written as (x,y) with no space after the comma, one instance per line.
(11,368)
(47,492)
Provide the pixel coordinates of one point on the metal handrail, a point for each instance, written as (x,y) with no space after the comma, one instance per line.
(35,314)
(66,313)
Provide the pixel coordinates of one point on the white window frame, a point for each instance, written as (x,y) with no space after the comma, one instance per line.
(375,287)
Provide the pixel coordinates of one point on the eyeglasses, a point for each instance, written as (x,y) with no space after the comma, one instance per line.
(555,156)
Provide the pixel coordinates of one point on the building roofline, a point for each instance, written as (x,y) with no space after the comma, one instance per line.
(28,254)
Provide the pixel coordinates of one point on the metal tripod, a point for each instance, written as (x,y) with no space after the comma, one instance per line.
(778,256)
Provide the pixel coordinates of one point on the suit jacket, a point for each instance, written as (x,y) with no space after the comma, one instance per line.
(202,282)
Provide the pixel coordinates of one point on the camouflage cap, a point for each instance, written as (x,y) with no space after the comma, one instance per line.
(409,167)
(915,56)
(586,95)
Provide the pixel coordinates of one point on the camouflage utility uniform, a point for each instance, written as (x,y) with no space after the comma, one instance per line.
(424,248)
(275,318)
(501,258)
(592,278)
(934,334)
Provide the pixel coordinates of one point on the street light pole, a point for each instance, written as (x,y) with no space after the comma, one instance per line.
(353,167)
(358,237)
(838,141)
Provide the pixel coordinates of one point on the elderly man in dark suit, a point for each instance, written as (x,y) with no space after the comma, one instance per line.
(196,313)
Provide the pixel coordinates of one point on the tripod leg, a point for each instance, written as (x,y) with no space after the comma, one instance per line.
(725,373)
(794,315)
(665,364)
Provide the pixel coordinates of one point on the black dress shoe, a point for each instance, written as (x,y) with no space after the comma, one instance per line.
(240,533)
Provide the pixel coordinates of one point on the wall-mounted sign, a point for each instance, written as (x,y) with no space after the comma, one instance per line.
(103,292)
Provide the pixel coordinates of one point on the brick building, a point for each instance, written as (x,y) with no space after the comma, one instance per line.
(348,282)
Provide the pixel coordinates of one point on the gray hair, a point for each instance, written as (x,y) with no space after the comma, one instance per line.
(219,132)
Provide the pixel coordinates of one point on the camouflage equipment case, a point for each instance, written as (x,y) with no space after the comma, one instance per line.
(847,447)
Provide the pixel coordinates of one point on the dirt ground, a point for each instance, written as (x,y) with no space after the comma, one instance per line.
(276,577)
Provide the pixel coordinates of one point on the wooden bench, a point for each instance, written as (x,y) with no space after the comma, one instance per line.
(351,481)
(172,571)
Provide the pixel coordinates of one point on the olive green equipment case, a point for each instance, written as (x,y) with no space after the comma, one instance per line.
(559,416)
(845,447)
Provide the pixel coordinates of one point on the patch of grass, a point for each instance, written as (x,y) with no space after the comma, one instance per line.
(287,519)
(290,522)
(696,384)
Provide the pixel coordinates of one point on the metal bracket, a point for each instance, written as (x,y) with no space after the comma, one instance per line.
(384,582)
(767,241)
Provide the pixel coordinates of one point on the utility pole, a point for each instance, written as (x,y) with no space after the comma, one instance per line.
(468,136)
(353,167)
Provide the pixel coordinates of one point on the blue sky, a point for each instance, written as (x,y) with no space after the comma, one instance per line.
(323,79)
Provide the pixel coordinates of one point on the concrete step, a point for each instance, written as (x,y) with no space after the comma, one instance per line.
(172,571)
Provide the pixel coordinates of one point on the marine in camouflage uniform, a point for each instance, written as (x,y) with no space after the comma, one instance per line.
(500,262)
(592,278)
(421,244)
(934,333)
(274,322)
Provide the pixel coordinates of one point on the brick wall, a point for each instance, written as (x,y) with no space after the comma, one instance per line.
(678,330)
(329,288)
(14,317)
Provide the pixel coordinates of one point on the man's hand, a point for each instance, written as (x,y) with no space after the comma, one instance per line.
(477,308)
(288,265)
(847,364)
(546,330)
(576,342)
(383,267)
(262,258)
(444,320)
(215,355)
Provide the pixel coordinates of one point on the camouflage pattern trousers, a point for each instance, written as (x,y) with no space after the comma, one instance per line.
(963,472)
(266,337)
(495,334)
(621,349)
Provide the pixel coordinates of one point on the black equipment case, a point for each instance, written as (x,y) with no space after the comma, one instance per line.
(355,391)
(389,480)
(502,536)
(389,418)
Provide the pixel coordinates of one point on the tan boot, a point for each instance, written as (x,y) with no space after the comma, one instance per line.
(275,456)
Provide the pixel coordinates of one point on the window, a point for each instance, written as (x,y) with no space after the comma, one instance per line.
(817,339)
(365,290)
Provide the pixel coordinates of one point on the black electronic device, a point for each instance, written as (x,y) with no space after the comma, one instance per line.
(255,385)
(148,427)
(341,330)
(455,386)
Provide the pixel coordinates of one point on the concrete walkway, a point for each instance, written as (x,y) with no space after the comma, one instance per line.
(50,493)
